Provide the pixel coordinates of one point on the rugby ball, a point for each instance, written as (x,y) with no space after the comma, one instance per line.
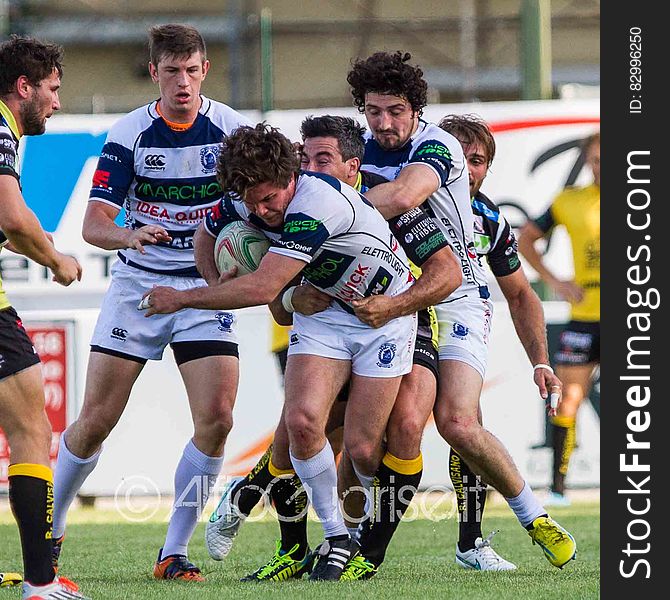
(240,245)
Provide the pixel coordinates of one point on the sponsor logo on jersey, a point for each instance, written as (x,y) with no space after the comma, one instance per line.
(433,148)
(387,256)
(459,331)
(154,162)
(386,355)
(208,157)
(101,179)
(409,238)
(379,283)
(327,268)
(119,334)
(576,340)
(434,241)
(225,320)
(305,225)
(151,191)
(513,262)
(352,289)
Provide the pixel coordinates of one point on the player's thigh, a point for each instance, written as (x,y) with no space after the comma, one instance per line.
(370,403)
(211,385)
(458,393)
(311,384)
(109,381)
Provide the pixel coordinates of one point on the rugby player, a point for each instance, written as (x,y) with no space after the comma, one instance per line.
(30,74)
(158,161)
(334,145)
(324,231)
(495,240)
(578,355)
(425,162)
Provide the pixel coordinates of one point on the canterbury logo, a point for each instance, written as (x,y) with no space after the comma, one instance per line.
(119,334)
(154,160)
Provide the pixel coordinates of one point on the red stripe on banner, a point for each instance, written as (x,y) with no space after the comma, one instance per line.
(527,124)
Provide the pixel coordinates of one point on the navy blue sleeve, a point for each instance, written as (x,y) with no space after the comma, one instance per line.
(222,214)
(303,234)
(418,234)
(114,174)
(435,154)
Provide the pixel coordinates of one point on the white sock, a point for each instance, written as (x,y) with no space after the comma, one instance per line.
(366,483)
(526,506)
(353,532)
(69,475)
(194,478)
(319,476)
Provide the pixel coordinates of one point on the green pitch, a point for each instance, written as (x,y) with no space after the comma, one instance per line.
(112,559)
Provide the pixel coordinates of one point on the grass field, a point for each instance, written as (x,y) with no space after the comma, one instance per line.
(112,559)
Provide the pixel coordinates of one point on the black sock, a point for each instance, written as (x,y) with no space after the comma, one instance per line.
(470,501)
(290,502)
(31,496)
(563,443)
(249,491)
(394,486)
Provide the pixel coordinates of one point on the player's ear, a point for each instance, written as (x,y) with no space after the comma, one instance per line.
(205,68)
(153,71)
(353,165)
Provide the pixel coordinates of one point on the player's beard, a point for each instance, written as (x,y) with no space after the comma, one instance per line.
(33,122)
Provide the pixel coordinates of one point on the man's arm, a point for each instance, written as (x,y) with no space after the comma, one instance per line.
(100,230)
(257,288)
(528,318)
(531,233)
(410,189)
(441,275)
(203,248)
(26,236)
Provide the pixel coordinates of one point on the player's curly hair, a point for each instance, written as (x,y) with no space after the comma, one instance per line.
(385,73)
(347,131)
(29,57)
(470,129)
(251,156)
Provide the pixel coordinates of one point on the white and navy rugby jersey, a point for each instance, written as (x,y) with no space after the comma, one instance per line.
(348,247)
(449,205)
(164,177)
(494,237)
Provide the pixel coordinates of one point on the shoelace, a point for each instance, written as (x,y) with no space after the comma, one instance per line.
(359,564)
(485,547)
(557,535)
(277,560)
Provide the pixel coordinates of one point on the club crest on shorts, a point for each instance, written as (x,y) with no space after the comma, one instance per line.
(225,320)
(386,355)
(293,339)
(459,331)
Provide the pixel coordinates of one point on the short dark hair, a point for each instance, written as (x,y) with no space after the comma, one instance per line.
(251,156)
(470,129)
(174,39)
(347,131)
(385,73)
(27,56)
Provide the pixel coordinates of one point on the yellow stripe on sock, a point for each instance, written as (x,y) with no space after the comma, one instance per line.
(275,472)
(403,466)
(31,470)
(563,421)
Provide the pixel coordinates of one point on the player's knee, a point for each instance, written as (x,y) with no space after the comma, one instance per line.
(457,431)
(304,430)
(404,435)
(364,454)
(33,432)
(217,427)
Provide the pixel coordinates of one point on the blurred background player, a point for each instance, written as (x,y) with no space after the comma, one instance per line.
(578,354)
(30,74)
(495,240)
(426,165)
(145,154)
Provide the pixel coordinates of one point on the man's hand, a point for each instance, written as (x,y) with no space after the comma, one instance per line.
(226,276)
(149,234)
(66,270)
(161,300)
(307,300)
(550,388)
(568,290)
(374,311)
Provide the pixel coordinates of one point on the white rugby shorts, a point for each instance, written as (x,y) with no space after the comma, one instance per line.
(334,333)
(464,328)
(123,328)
